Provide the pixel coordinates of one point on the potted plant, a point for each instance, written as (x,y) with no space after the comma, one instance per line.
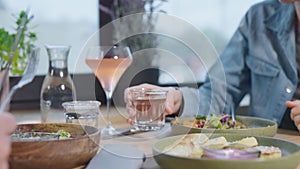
(23,50)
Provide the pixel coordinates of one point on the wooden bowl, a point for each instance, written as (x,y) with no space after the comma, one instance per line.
(62,154)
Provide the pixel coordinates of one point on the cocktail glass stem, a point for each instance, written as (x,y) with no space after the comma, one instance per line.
(109,129)
(108,103)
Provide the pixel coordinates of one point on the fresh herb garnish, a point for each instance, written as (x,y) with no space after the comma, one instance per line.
(63,134)
(199,117)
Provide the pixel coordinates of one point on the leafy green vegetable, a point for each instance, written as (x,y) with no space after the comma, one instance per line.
(63,134)
(217,122)
(24,47)
(199,117)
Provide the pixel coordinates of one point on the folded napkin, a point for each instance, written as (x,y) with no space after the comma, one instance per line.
(115,156)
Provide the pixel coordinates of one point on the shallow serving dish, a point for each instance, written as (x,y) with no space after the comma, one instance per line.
(289,160)
(62,154)
(256,127)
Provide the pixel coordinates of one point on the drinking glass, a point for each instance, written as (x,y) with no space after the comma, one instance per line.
(149,108)
(108,64)
(82,112)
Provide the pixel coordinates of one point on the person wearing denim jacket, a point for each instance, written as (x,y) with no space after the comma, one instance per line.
(259,60)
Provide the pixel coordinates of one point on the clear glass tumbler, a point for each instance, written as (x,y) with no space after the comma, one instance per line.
(82,112)
(148,108)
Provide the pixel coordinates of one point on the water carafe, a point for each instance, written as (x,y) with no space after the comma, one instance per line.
(58,87)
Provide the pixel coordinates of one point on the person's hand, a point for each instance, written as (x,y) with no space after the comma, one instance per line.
(173,100)
(7,126)
(295,111)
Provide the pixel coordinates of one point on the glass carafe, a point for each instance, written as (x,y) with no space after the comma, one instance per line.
(58,87)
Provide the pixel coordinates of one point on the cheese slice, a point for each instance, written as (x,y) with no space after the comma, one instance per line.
(269,151)
(189,146)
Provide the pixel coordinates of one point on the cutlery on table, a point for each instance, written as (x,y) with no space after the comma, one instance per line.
(12,52)
(27,77)
(233,115)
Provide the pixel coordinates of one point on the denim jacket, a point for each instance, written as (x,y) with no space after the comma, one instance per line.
(259,60)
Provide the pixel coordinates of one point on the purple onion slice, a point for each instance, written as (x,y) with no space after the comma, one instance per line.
(230,154)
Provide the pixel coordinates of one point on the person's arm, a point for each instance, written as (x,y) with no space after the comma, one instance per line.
(7,126)
(218,94)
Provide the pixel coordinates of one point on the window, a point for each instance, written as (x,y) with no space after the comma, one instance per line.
(217,19)
(178,63)
(56,22)
(73,22)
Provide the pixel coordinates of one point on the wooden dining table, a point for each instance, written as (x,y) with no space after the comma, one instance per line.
(142,141)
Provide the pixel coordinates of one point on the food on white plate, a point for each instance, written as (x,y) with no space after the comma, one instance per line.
(200,146)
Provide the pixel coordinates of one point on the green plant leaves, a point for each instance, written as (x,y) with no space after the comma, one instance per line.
(23,50)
